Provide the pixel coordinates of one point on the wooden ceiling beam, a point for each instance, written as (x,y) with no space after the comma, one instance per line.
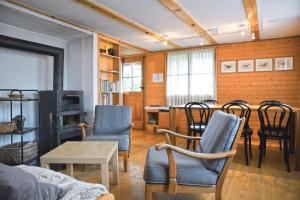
(188,19)
(108,12)
(22,5)
(251,12)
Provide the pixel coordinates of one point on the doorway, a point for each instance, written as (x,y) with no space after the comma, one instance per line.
(132,85)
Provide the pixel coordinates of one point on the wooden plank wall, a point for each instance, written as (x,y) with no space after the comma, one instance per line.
(252,87)
(255,87)
(155,92)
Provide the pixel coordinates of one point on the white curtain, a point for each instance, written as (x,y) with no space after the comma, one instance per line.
(190,76)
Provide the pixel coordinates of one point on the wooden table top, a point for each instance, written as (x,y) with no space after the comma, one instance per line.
(85,152)
(219,106)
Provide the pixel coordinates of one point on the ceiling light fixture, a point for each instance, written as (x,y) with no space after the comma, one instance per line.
(165,42)
(253,36)
(242,33)
(201,43)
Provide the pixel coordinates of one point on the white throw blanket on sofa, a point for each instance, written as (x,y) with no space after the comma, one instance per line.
(76,190)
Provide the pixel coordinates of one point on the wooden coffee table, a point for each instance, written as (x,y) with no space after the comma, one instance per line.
(85,152)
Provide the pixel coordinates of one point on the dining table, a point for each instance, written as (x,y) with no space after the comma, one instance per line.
(294,141)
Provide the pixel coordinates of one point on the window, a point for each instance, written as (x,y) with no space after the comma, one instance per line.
(190,76)
(132,77)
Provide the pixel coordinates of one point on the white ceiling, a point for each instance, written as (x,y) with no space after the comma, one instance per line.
(223,19)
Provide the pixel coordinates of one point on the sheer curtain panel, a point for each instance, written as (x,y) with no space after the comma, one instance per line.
(190,76)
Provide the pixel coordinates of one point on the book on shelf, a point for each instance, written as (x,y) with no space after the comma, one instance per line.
(107,86)
(107,99)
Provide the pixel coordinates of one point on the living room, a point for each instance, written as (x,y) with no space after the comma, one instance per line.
(149,99)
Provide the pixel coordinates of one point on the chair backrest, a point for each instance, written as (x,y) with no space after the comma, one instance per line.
(240,109)
(197,113)
(112,119)
(274,118)
(220,136)
(209,101)
(239,101)
(269,101)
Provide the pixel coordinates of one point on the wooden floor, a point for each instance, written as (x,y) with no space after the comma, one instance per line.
(271,182)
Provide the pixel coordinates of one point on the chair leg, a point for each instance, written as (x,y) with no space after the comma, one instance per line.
(261,147)
(265,147)
(125,159)
(194,142)
(218,194)
(148,192)
(280,144)
(250,147)
(246,149)
(188,141)
(286,154)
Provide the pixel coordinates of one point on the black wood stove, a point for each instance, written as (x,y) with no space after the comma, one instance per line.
(60,112)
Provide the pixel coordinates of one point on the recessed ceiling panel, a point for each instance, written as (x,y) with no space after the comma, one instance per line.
(152,14)
(190,42)
(233,37)
(29,22)
(76,13)
(279,18)
(216,13)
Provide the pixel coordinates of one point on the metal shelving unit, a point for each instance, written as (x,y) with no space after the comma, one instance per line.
(22,131)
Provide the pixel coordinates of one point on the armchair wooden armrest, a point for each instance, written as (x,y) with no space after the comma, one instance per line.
(172,163)
(108,196)
(83,126)
(210,156)
(177,134)
(131,124)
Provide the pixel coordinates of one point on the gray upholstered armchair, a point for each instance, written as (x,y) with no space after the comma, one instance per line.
(112,123)
(172,169)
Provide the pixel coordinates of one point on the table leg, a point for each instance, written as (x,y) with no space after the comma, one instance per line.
(297,140)
(69,169)
(45,165)
(104,175)
(115,168)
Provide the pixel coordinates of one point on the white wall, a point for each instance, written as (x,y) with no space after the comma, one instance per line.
(33,71)
(23,34)
(80,75)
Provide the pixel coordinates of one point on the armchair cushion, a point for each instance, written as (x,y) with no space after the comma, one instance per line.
(190,171)
(123,140)
(219,136)
(112,120)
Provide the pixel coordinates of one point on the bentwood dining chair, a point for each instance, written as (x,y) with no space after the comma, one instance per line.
(274,124)
(172,169)
(273,101)
(198,115)
(242,110)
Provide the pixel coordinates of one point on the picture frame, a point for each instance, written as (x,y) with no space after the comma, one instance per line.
(264,64)
(245,66)
(228,66)
(284,63)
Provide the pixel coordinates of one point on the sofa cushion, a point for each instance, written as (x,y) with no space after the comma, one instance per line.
(15,184)
(190,171)
(123,140)
(219,136)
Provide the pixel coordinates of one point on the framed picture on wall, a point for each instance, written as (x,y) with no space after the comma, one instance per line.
(245,66)
(228,66)
(284,63)
(263,64)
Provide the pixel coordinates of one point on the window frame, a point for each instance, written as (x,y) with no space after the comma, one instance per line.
(132,77)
